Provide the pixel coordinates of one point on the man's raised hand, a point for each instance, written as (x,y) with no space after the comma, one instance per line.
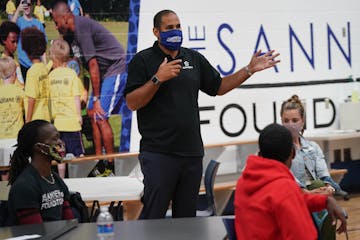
(260,62)
(168,70)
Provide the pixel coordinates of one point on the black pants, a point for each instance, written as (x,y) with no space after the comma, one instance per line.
(23,72)
(170,177)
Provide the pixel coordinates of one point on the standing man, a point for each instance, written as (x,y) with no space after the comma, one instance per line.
(163,85)
(104,57)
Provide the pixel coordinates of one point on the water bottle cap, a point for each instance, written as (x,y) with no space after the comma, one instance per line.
(104,209)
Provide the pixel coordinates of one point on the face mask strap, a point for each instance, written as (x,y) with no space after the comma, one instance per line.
(44,145)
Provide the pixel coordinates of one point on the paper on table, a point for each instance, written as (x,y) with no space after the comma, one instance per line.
(24,237)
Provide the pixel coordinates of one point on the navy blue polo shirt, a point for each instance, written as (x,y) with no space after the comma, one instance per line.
(170,122)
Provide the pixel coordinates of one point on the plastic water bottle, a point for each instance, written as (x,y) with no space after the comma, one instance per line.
(105,224)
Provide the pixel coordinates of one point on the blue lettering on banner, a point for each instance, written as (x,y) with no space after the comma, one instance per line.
(308,52)
(222,27)
(196,37)
(263,35)
(331,35)
(256,127)
(292,36)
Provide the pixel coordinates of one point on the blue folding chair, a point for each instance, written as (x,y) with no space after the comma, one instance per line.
(230,228)
(206,206)
(209,180)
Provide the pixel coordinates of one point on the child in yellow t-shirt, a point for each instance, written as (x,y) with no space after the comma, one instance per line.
(65,92)
(37,79)
(11,104)
(9,36)
(10,9)
(40,11)
(11,100)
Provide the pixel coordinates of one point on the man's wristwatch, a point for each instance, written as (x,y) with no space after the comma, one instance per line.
(155,80)
(95,98)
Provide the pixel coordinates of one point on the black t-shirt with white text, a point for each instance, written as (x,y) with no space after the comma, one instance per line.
(30,190)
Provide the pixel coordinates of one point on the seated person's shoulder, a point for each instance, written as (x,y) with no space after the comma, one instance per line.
(60,181)
(284,188)
(284,182)
(23,188)
(26,180)
(315,146)
(311,145)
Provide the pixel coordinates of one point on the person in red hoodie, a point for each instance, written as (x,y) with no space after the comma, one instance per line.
(268,202)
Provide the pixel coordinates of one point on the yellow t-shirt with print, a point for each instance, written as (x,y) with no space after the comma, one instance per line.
(64,86)
(37,87)
(10,7)
(11,110)
(39,12)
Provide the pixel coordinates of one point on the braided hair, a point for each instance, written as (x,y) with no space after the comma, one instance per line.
(28,136)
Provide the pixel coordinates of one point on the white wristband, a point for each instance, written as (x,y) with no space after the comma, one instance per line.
(248,70)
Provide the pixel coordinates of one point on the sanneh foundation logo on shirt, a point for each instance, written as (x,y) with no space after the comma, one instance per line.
(52,199)
(187,65)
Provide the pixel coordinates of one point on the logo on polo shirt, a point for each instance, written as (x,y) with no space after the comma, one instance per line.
(187,65)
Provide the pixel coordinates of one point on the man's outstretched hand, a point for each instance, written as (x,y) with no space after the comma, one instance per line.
(260,62)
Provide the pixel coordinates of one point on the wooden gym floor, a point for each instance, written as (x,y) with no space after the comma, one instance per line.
(353,209)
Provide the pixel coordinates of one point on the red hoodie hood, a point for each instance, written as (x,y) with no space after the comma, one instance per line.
(261,171)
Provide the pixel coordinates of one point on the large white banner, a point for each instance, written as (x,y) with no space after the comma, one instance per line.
(319,43)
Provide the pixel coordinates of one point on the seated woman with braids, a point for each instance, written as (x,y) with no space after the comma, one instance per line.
(37,194)
(309,165)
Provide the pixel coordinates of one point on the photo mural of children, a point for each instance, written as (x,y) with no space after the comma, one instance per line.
(25,21)
(9,36)
(37,79)
(65,93)
(104,57)
(11,100)
(40,11)
(11,104)
(10,9)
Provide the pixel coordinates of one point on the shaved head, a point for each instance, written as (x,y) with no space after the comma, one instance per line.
(61,8)
(63,19)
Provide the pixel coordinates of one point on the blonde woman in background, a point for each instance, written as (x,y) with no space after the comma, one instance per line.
(309,165)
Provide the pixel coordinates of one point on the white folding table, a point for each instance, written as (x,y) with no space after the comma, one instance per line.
(126,189)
